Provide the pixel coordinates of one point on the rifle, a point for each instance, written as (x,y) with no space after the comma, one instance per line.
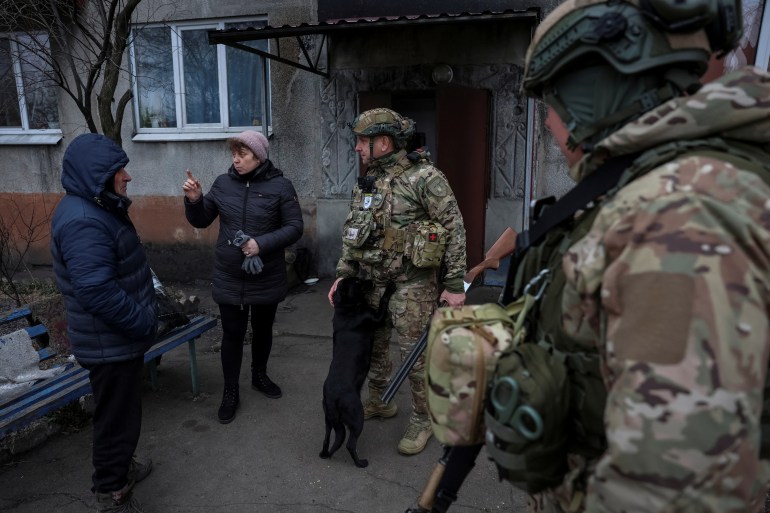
(441,489)
(503,246)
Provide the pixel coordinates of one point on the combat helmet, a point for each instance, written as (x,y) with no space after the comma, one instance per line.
(650,51)
(382,121)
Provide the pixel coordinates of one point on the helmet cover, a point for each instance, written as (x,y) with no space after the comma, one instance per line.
(382,121)
(631,36)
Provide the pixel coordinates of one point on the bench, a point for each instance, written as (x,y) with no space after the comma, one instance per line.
(49,395)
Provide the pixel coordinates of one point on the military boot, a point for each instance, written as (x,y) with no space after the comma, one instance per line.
(230,402)
(138,469)
(122,501)
(416,436)
(376,408)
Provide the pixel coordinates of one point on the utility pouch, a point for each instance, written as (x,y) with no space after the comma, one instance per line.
(363,230)
(463,347)
(357,228)
(526,411)
(363,255)
(428,245)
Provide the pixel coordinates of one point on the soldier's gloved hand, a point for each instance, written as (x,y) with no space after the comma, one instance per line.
(252,265)
(241,238)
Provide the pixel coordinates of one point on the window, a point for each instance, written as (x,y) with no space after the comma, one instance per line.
(28,97)
(185,88)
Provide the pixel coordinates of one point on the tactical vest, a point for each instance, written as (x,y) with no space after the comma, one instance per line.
(368,235)
(541,268)
(371,205)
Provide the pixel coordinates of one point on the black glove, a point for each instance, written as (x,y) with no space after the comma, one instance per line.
(252,265)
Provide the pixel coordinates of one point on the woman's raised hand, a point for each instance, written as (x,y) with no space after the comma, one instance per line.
(192,187)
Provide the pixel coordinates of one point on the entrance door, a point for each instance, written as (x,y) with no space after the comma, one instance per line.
(462,144)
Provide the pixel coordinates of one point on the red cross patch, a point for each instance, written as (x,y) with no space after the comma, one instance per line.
(432,237)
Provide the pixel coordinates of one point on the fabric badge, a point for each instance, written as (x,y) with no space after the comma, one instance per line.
(437,187)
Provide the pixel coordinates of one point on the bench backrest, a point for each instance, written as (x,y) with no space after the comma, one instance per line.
(36,331)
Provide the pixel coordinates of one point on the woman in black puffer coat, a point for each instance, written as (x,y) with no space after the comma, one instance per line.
(255,199)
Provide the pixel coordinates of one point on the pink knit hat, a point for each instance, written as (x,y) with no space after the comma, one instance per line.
(255,141)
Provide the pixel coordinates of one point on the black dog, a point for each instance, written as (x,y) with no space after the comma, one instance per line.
(354,324)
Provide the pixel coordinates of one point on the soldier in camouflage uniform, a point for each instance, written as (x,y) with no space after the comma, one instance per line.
(401,195)
(668,284)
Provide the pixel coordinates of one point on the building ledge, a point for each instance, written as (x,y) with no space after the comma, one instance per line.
(187,136)
(30,139)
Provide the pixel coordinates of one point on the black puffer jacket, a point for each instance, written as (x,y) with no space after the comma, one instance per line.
(99,261)
(264,205)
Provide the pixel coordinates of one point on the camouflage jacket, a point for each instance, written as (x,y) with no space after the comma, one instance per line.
(420,193)
(671,285)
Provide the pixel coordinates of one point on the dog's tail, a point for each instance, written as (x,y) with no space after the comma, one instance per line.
(339,435)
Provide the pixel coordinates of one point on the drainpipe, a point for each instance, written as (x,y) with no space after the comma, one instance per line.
(763,45)
(529,162)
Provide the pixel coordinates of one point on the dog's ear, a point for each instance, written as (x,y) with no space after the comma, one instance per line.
(367,285)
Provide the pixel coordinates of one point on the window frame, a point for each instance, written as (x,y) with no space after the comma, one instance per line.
(26,135)
(201,131)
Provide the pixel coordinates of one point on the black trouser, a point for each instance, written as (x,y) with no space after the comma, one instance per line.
(117,389)
(235,320)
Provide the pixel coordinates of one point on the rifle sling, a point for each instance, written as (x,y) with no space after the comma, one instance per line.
(587,190)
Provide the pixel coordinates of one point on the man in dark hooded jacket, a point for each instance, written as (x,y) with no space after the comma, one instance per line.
(103,274)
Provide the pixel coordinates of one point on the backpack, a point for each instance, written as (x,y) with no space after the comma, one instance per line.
(482,377)
(463,347)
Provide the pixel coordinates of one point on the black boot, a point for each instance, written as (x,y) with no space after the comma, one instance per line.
(260,381)
(230,402)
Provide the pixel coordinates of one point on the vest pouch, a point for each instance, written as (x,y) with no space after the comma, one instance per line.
(371,256)
(358,225)
(428,244)
(527,406)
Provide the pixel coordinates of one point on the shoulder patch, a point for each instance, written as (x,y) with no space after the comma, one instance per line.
(438,186)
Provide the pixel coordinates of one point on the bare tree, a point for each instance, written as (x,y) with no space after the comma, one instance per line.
(78,45)
(20,228)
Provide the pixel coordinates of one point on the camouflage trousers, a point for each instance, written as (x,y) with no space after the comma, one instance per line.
(409,312)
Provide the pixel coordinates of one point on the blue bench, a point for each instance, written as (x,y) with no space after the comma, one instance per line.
(48,395)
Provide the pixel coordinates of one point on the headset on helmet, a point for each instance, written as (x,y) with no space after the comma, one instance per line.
(632,36)
(382,121)
(721,19)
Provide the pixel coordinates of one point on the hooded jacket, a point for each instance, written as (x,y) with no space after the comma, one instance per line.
(98,260)
(264,205)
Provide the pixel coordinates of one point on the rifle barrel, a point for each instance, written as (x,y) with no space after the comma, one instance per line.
(403,371)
